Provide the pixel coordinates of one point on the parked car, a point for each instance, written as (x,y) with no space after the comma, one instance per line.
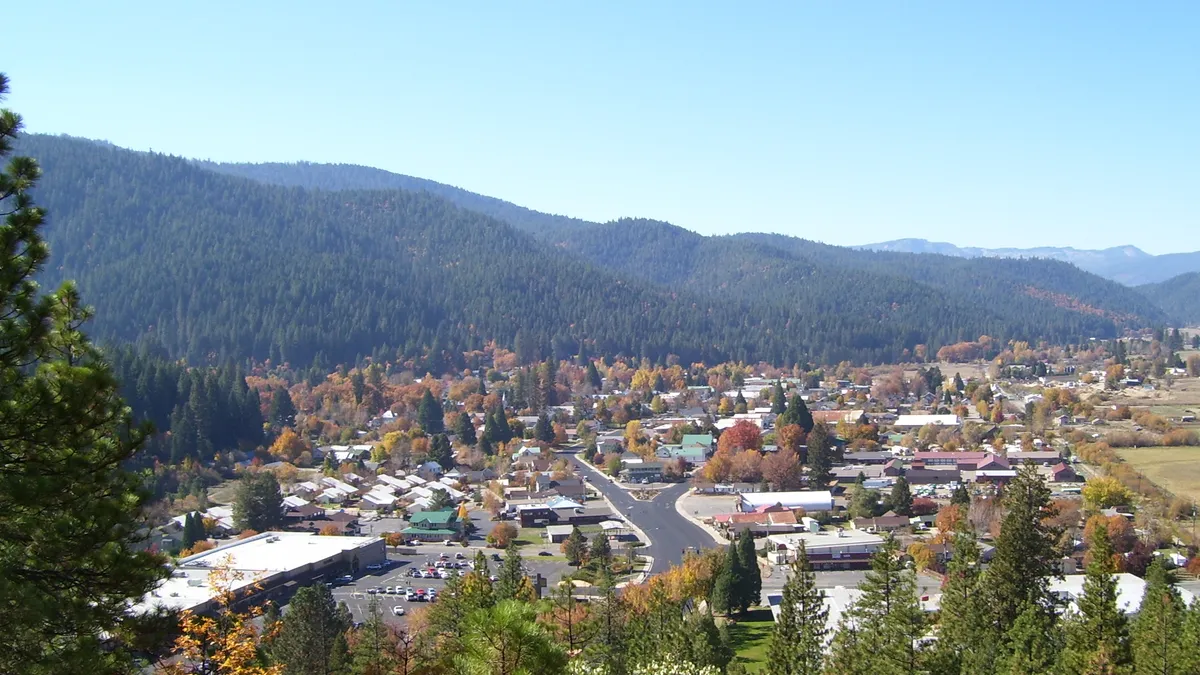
(389,590)
(374,567)
(398,610)
(458,555)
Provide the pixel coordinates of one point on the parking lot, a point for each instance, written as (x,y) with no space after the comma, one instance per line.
(357,594)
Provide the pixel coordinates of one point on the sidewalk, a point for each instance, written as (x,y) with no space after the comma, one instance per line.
(712,532)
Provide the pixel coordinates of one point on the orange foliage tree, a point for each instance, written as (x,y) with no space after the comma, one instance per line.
(226,643)
(741,436)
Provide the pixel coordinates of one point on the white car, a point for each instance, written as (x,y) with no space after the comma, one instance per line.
(398,610)
(444,574)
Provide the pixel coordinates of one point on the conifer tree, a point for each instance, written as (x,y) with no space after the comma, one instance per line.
(1025,550)
(737,580)
(372,651)
(965,639)
(283,411)
(798,637)
(601,550)
(1097,637)
(778,399)
(887,618)
(1032,643)
(820,461)
(510,575)
(258,502)
(1158,627)
(607,647)
(960,497)
(543,430)
(306,644)
(575,547)
(430,414)
(752,575)
(69,534)
(464,429)
(441,452)
(901,499)
(1190,636)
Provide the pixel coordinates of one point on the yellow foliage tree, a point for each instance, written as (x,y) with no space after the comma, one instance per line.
(288,445)
(1104,492)
(226,643)
(921,554)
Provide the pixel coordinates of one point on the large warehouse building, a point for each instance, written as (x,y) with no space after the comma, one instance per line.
(268,565)
(809,500)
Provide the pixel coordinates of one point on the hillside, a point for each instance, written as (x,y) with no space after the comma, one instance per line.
(891,300)
(354,177)
(212,266)
(1178,296)
(1128,265)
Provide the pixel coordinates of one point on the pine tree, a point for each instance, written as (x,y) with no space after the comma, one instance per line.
(510,575)
(306,641)
(601,550)
(1158,627)
(798,637)
(820,462)
(430,414)
(1032,643)
(189,530)
(543,430)
(901,499)
(752,575)
(887,618)
(464,429)
(372,650)
(723,597)
(1097,634)
(607,647)
(258,503)
(1025,550)
(965,640)
(1190,636)
(575,547)
(593,376)
(960,497)
(283,411)
(778,399)
(441,452)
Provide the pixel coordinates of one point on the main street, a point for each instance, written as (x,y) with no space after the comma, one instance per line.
(670,533)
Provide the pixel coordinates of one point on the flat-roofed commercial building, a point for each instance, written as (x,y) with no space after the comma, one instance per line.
(268,565)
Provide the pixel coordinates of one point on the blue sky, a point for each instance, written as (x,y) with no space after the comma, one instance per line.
(992,124)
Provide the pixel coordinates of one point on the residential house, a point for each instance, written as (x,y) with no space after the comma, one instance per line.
(645,471)
(888,522)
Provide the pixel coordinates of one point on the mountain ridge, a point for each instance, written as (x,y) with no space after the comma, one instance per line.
(208,265)
(1126,264)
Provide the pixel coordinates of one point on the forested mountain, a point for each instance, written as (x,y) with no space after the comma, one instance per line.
(1178,296)
(887,299)
(1126,264)
(355,177)
(209,267)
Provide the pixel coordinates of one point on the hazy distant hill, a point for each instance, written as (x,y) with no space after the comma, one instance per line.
(1178,296)
(355,177)
(1126,264)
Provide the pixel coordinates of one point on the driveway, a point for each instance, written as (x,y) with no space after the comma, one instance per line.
(670,533)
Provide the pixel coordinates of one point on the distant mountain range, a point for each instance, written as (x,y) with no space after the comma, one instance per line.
(1128,265)
(325,264)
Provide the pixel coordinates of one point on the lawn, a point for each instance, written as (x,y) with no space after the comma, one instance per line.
(749,638)
(1174,468)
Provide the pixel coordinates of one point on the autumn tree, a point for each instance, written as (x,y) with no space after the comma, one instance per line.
(222,642)
(288,445)
(790,437)
(1103,492)
(782,470)
(746,466)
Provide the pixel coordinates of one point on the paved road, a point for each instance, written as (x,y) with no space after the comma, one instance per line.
(670,533)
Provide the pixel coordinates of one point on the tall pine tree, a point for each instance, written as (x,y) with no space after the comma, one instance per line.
(797,642)
(748,557)
(1157,630)
(1097,633)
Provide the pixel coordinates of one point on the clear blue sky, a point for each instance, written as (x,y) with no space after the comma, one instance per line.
(992,124)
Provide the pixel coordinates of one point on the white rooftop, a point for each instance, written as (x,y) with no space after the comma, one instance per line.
(922,420)
(254,558)
(1130,590)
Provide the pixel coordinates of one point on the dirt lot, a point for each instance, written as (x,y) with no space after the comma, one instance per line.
(1175,468)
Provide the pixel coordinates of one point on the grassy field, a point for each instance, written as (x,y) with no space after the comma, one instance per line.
(749,638)
(1174,468)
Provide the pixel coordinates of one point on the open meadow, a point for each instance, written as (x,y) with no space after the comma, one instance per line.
(1173,468)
